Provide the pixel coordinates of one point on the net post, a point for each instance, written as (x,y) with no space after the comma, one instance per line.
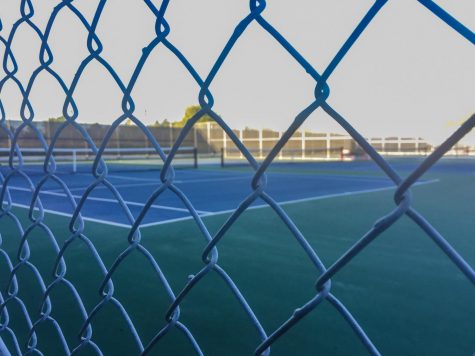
(195,157)
(222,157)
(342,154)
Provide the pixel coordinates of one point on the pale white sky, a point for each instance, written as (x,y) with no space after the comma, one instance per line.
(408,74)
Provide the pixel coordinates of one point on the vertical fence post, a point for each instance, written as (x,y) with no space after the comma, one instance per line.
(9,126)
(48,132)
(195,157)
(170,135)
(117,134)
(224,145)
(75,167)
(328,145)
(280,153)
(208,135)
(303,143)
(240,139)
(195,137)
(260,143)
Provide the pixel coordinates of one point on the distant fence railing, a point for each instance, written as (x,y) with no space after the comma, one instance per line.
(210,138)
(125,136)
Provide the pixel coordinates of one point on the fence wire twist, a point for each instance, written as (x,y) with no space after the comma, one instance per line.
(10,296)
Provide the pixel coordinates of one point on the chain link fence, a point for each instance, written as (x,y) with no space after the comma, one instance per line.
(210,139)
(11,299)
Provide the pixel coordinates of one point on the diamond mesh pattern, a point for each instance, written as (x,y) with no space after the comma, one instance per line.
(11,297)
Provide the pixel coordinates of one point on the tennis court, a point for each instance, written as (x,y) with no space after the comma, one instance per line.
(211,190)
(400,288)
(236,178)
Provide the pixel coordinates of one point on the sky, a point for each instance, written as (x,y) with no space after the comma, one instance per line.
(409,74)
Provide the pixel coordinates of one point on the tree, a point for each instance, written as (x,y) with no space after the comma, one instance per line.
(57,119)
(189,113)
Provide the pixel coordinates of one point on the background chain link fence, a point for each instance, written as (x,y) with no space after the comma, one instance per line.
(11,298)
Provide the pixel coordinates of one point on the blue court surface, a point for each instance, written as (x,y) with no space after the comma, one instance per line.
(211,191)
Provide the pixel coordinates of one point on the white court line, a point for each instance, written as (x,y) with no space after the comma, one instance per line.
(222,212)
(132,178)
(183,181)
(247,177)
(212,179)
(131,185)
(295,201)
(107,200)
(148,182)
(163,222)
(104,187)
(54,212)
(120,177)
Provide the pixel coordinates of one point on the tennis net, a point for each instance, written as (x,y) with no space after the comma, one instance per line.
(81,160)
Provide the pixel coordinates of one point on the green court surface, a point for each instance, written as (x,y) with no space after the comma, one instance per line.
(405,293)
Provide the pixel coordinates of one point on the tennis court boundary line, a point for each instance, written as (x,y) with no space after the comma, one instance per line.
(97,221)
(85,218)
(107,200)
(294,201)
(222,212)
(158,183)
(116,176)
